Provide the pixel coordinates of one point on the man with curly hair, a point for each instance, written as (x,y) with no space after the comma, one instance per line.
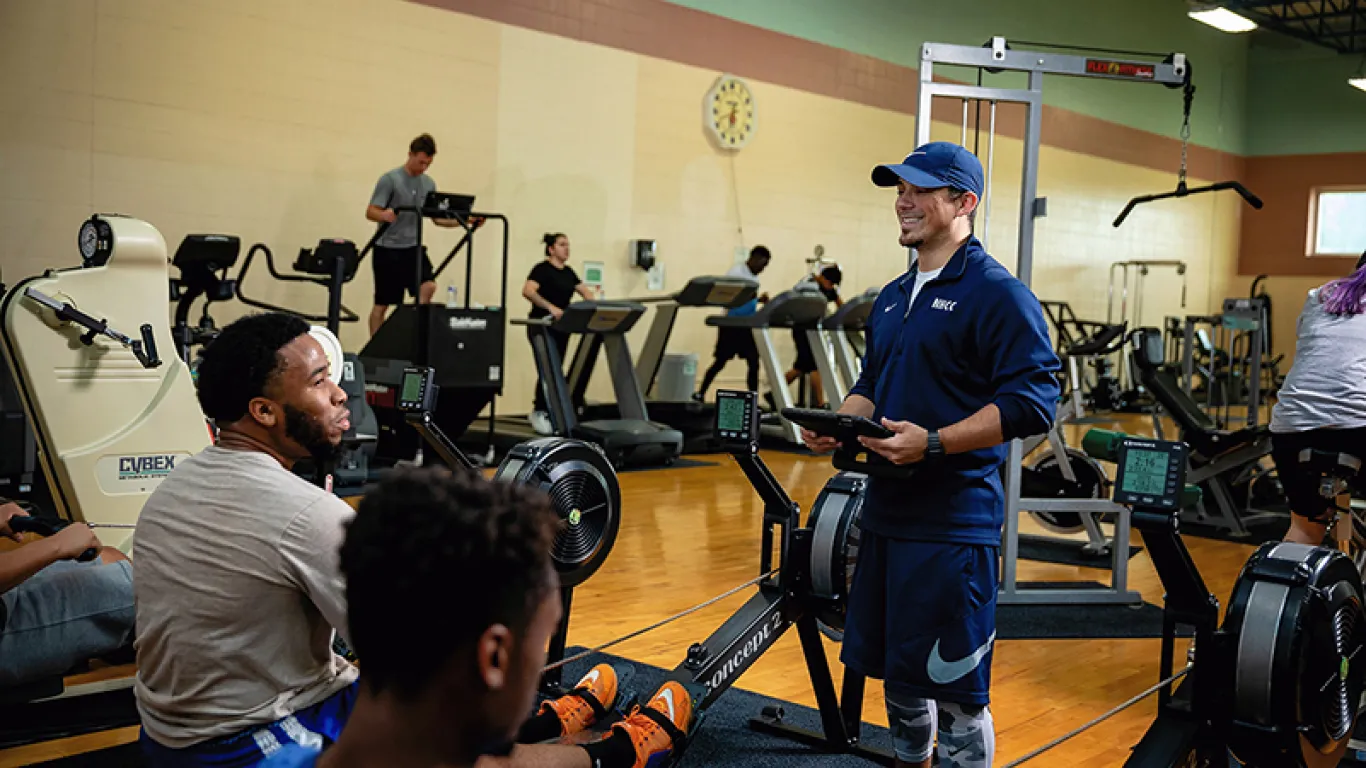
(450,671)
(239,583)
(235,560)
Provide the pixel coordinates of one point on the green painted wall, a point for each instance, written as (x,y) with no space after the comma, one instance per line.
(894,30)
(1299,101)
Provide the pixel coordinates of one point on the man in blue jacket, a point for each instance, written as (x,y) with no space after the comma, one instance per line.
(959,362)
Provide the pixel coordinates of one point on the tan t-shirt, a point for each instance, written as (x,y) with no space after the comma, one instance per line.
(238,588)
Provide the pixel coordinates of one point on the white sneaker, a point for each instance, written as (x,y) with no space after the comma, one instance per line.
(540,421)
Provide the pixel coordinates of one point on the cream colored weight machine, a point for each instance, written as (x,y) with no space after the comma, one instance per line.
(113,408)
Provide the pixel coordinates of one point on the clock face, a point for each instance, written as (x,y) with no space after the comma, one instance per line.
(729,112)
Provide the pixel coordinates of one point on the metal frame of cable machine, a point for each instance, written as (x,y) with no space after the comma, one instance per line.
(997,56)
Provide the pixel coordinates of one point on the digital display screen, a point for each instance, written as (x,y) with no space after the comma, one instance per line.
(1145,472)
(412,388)
(730,414)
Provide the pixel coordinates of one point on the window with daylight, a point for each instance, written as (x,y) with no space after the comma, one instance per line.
(1338,222)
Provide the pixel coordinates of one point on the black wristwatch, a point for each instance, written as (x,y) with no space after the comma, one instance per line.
(933,448)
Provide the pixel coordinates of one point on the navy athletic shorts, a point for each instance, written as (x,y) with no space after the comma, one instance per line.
(922,618)
(315,727)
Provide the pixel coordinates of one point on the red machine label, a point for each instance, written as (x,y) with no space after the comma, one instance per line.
(1120,69)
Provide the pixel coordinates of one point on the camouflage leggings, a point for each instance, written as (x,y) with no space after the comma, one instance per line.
(967,736)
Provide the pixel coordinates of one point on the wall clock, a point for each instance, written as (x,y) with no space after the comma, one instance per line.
(729,112)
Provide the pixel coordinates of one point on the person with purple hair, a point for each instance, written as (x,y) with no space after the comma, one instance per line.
(1322,404)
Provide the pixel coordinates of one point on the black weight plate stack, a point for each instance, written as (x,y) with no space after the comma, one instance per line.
(834,546)
(1298,631)
(584,493)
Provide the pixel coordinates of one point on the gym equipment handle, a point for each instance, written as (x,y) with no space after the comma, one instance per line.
(48,527)
(145,350)
(1183,191)
(345,314)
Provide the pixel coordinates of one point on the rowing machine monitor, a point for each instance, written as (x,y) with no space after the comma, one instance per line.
(737,420)
(416,401)
(417,394)
(1151,474)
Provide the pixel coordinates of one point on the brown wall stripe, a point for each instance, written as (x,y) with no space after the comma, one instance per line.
(1272,240)
(667,31)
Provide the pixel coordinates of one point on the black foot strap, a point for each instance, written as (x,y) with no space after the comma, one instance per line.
(660,719)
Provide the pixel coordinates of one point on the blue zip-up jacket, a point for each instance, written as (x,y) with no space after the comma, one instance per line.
(976,335)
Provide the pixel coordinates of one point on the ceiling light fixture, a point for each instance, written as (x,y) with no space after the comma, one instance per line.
(1221,19)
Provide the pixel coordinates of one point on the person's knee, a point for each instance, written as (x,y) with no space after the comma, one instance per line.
(111,555)
(967,735)
(427,291)
(912,722)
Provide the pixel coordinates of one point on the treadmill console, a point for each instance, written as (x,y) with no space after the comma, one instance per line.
(1150,473)
(417,391)
(737,419)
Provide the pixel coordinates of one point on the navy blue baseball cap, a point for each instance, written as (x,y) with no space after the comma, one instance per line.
(934,165)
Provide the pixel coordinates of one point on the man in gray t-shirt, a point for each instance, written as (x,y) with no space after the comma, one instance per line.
(398,251)
(235,574)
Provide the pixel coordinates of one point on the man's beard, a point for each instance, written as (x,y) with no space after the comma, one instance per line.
(309,433)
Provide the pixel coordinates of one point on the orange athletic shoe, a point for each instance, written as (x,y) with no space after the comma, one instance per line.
(591,698)
(655,729)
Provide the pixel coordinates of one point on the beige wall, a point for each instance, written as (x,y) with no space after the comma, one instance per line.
(272,121)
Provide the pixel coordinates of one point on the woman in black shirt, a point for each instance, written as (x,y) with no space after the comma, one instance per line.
(550,287)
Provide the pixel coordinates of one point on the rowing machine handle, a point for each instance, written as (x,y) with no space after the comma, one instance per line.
(47,527)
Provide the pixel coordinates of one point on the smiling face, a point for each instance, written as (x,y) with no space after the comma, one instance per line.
(313,406)
(929,215)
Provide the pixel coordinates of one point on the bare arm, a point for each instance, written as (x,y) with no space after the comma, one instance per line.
(980,430)
(587,292)
(19,565)
(380,215)
(858,405)
(531,292)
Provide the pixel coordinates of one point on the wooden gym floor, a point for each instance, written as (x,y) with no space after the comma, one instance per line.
(690,534)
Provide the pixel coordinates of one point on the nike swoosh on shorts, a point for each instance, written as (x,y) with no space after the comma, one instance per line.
(941,671)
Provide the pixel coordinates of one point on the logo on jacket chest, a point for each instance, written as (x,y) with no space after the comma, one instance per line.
(944,305)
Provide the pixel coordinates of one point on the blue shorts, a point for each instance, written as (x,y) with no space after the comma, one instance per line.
(315,727)
(922,618)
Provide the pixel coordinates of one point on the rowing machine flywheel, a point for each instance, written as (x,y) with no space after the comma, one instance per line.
(1298,670)
(1044,480)
(583,491)
(834,546)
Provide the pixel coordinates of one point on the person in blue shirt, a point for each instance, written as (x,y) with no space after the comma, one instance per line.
(452,599)
(739,342)
(959,362)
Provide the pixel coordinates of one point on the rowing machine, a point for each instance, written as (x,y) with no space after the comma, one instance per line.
(578,478)
(810,589)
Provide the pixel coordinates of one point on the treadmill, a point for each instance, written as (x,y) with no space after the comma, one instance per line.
(838,344)
(631,440)
(693,419)
(789,309)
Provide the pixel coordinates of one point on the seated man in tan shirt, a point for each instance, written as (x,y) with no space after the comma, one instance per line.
(238,582)
(235,561)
